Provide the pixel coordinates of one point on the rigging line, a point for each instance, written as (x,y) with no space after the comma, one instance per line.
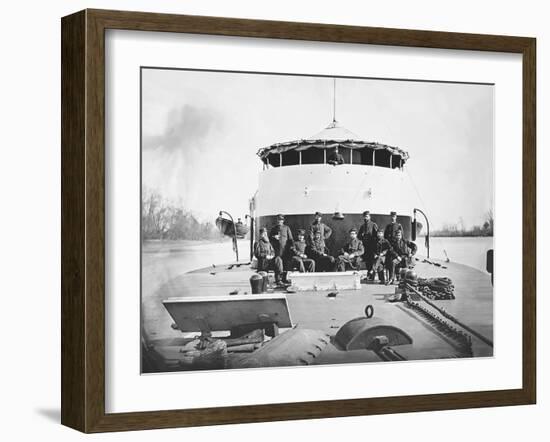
(334,100)
(416,189)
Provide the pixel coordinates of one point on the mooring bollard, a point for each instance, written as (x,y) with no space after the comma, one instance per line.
(256,283)
(265,278)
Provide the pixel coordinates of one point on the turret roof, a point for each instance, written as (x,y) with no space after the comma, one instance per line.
(332,136)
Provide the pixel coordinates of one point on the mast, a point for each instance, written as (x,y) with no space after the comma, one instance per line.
(334,100)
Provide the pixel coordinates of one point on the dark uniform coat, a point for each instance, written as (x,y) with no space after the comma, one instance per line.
(282,244)
(403,247)
(400,251)
(382,250)
(298,251)
(355,247)
(317,251)
(325,230)
(367,234)
(263,249)
(391,228)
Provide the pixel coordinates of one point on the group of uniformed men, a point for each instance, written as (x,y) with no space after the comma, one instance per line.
(381,250)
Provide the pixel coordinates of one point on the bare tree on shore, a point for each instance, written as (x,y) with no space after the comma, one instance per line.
(458,229)
(161,219)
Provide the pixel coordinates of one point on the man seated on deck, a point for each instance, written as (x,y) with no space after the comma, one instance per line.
(318,225)
(335,158)
(401,255)
(319,252)
(350,256)
(299,258)
(392,228)
(382,249)
(265,254)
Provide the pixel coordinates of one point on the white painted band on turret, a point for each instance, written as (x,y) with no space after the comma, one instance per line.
(345,188)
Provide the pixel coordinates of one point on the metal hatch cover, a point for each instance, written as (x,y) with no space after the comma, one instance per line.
(221,313)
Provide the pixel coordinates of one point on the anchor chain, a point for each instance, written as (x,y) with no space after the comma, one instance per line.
(462,340)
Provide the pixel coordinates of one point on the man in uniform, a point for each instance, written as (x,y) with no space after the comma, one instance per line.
(265,254)
(367,234)
(280,237)
(318,251)
(392,228)
(318,225)
(382,249)
(401,255)
(299,256)
(350,256)
(335,158)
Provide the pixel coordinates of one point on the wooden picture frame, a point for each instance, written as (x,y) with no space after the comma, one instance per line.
(83,219)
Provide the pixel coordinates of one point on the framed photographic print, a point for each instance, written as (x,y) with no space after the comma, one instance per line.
(270,220)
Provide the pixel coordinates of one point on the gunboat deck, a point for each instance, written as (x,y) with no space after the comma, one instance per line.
(315,310)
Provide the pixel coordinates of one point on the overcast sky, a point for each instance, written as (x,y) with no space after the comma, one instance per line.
(201,132)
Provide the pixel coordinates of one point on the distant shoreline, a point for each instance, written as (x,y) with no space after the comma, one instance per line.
(184,241)
(455,235)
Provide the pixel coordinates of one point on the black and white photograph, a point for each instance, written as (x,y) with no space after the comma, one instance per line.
(298,220)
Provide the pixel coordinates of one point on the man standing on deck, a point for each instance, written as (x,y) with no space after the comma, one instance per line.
(319,252)
(318,225)
(299,256)
(265,254)
(402,252)
(392,228)
(281,237)
(382,250)
(367,234)
(350,255)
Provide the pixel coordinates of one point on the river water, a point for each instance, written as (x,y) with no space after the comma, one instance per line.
(471,251)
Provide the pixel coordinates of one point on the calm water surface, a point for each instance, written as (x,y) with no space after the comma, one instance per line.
(471,251)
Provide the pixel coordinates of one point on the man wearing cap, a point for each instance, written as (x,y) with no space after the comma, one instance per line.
(299,257)
(265,254)
(392,228)
(318,225)
(382,250)
(350,256)
(280,237)
(318,251)
(402,252)
(368,234)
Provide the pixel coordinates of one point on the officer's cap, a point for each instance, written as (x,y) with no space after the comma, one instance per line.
(280,217)
(392,213)
(353,229)
(318,214)
(366,212)
(301,232)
